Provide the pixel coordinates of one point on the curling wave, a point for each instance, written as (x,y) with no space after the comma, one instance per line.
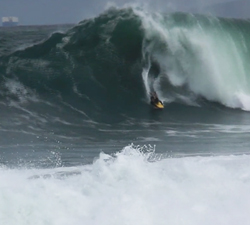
(112,62)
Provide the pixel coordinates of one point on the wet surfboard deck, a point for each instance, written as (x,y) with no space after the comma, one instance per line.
(159,105)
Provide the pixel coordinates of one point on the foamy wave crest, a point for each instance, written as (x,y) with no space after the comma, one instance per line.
(128,189)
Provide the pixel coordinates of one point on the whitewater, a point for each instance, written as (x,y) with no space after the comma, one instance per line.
(80,143)
(128,188)
(218,48)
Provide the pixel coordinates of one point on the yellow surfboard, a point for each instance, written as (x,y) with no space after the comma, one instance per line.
(159,105)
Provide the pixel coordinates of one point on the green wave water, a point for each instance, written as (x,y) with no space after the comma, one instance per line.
(115,59)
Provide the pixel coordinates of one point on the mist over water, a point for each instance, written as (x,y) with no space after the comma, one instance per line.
(72,101)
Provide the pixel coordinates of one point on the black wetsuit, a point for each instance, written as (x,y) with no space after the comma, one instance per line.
(154,100)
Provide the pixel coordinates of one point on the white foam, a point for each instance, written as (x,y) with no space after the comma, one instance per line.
(128,189)
(209,59)
(17,89)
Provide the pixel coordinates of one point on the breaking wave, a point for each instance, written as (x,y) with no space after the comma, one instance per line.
(110,63)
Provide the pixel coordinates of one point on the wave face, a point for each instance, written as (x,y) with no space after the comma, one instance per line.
(110,63)
(95,66)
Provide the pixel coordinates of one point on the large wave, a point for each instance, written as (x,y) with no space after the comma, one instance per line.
(113,61)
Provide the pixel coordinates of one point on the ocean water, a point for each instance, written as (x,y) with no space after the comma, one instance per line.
(80,143)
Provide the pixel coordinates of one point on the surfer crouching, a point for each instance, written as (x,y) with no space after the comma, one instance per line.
(154,100)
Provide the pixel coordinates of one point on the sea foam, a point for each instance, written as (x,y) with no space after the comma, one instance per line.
(130,187)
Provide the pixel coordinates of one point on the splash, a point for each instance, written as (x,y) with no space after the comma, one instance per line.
(197,56)
(127,188)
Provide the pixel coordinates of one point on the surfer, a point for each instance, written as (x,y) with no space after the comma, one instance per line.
(154,100)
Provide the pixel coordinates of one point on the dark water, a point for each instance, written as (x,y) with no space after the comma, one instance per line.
(69,92)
